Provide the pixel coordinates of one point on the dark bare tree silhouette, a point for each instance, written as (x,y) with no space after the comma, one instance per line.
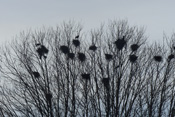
(53,73)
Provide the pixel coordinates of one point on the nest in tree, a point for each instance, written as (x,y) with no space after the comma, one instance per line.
(171,56)
(45,50)
(71,55)
(134,47)
(64,49)
(105,81)
(49,96)
(93,48)
(120,43)
(76,42)
(36,74)
(108,56)
(42,50)
(81,57)
(158,58)
(133,58)
(86,76)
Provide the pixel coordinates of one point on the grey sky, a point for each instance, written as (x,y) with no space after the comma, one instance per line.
(18,15)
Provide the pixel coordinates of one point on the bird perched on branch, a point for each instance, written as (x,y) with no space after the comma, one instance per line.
(76,37)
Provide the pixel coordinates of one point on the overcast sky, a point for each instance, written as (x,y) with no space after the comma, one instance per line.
(157,16)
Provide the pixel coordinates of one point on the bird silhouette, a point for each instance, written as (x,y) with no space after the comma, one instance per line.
(81,57)
(134,47)
(64,49)
(133,58)
(86,76)
(93,48)
(158,58)
(108,56)
(76,42)
(76,37)
(120,43)
(37,44)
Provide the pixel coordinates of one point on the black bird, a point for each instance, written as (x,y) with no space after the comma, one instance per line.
(86,76)
(81,57)
(37,44)
(76,37)
(158,58)
(120,43)
(171,56)
(93,48)
(108,56)
(105,81)
(71,55)
(76,42)
(133,58)
(64,49)
(134,47)
(36,74)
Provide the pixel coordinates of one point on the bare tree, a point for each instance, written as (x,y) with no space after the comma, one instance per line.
(110,71)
